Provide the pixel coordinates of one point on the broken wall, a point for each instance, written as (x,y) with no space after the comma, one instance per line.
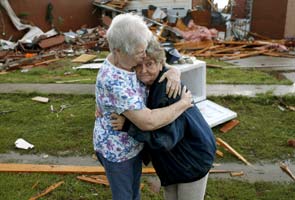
(239,9)
(202,3)
(290,20)
(67,15)
(269,17)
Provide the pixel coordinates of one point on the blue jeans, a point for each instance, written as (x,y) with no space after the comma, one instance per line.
(124,177)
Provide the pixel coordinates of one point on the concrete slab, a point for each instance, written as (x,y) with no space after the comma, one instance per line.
(249,90)
(265,63)
(211,89)
(290,76)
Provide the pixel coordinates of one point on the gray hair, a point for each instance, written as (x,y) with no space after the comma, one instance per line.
(126,32)
(155,51)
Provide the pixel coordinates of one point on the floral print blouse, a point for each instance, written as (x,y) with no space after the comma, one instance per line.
(116,91)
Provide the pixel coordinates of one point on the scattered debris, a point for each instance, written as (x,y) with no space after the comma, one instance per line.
(281,108)
(229,125)
(73,81)
(219,153)
(52,108)
(37,182)
(47,190)
(23,144)
(232,151)
(291,142)
(41,99)
(50,42)
(241,173)
(89,66)
(6,111)
(59,169)
(286,169)
(283,105)
(94,179)
(84,58)
(62,107)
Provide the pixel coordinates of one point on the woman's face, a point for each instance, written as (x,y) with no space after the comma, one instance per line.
(128,61)
(148,71)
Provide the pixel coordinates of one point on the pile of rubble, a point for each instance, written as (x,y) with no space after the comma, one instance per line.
(43,50)
(183,33)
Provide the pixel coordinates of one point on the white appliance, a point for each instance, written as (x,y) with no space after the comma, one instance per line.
(194,77)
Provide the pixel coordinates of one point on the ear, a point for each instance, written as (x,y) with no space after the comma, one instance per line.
(116,51)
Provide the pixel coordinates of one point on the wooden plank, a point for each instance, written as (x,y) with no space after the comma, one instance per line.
(255,53)
(230,125)
(84,58)
(59,169)
(219,153)
(255,43)
(241,173)
(47,190)
(231,49)
(259,36)
(232,151)
(93,180)
(193,45)
(202,50)
(276,54)
(286,169)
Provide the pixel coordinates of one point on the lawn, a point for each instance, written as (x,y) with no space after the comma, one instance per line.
(230,75)
(261,135)
(20,186)
(62,72)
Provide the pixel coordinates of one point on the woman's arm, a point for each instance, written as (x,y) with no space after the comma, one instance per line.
(147,119)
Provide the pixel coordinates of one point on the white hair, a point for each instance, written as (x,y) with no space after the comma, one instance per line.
(126,32)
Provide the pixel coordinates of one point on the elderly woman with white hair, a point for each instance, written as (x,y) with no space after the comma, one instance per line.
(119,91)
(182,152)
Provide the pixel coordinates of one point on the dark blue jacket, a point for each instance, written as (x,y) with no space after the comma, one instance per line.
(182,151)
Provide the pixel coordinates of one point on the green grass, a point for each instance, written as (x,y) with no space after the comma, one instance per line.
(242,76)
(230,75)
(69,131)
(61,71)
(263,130)
(15,186)
(261,135)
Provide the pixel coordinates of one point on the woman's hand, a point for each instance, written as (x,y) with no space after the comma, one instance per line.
(173,86)
(117,121)
(187,97)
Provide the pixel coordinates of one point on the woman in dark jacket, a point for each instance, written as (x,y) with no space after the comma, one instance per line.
(182,152)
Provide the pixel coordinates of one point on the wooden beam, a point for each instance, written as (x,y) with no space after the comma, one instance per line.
(47,190)
(67,169)
(286,169)
(59,169)
(193,45)
(244,55)
(232,151)
(93,180)
(229,125)
(231,49)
